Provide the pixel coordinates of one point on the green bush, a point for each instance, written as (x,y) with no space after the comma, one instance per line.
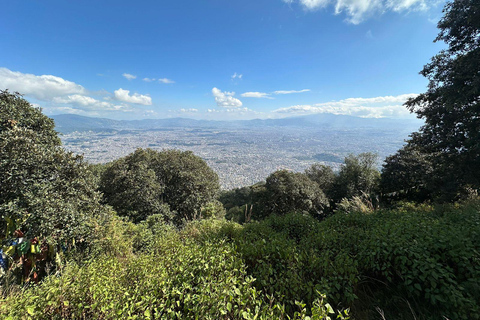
(182,279)
(410,258)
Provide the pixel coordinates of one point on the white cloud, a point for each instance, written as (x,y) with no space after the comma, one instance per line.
(226,99)
(161,80)
(124,95)
(359,10)
(76,99)
(165,80)
(377,107)
(256,95)
(191,110)
(129,76)
(235,110)
(290,91)
(43,87)
(237,76)
(266,95)
(313,4)
(402,5)
(89,103)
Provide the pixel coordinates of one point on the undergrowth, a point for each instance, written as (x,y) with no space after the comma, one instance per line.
(411,262)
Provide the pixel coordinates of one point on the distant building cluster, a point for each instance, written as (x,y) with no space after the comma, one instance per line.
(240,156)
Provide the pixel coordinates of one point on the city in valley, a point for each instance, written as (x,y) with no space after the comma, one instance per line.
(242,156)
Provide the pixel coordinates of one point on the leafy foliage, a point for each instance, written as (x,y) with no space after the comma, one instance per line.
(317,192)
(189,182)
(415,256)
(357,175)
(450,107)
(413,259)
(289,191)
(171,183)
(16,112)
(132,187)
(46,192)
(182,278)
(246,203)
(408,175)
(323,175)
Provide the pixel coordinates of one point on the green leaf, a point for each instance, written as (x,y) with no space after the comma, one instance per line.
(31,311)
(147,314)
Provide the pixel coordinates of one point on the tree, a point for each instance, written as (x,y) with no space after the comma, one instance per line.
(357,176)
(16,112)
(290,191)
(148,182)
(323,175)
(407,175)
(45,192)
(132,188)
(451,105)
(189,182)
(243,204)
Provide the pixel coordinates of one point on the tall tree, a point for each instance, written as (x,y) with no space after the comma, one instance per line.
(292,191)
(44,191)
(323,175)
(189,182)
(407,175)
(451,105)
(149,182)
(358,175)
(132,188)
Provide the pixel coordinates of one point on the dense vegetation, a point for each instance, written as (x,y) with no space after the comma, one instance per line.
(412,261)
(172,183)
(148,236)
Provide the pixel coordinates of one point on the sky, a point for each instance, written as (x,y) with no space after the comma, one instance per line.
(218,59)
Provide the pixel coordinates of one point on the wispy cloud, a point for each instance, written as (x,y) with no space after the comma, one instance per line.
(44,87)
(358,11)
(161,80)
(129,76)
(377,107)
(189,110)
(256,95)
(124,95)
(225,99)
(237,76)
(165,80)
(290,91)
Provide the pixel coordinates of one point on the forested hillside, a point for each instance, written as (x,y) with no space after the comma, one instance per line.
(151,236)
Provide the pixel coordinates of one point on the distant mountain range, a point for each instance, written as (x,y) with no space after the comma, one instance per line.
(67,123)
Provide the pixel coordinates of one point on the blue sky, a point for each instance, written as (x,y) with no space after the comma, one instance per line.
(214,59)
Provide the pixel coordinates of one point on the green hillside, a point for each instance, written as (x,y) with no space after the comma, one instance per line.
(151,236)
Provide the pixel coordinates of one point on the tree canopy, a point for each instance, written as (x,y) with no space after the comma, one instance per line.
(358,175)
(407,175)
(288,191)
(132,187)
(451,105)
(46,192)
(172,183)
